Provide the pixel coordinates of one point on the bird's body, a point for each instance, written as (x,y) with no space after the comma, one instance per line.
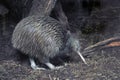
(40,37)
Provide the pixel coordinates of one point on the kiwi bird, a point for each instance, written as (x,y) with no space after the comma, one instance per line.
(43,38)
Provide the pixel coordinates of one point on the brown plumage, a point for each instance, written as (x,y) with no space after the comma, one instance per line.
(43,38)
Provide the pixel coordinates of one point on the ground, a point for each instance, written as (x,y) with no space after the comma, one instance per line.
(102,64)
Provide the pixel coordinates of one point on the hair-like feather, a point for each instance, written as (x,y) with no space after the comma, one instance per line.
(43,38)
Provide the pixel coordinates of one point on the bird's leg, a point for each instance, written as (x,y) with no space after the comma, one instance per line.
(34,66)
(52,67)
(46,60)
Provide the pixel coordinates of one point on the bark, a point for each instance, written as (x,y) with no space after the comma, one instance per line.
(42,7)
(111,42)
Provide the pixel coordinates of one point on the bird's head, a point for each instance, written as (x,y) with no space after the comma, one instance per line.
(74,44)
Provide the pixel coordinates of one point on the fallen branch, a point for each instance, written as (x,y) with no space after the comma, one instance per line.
(111,42)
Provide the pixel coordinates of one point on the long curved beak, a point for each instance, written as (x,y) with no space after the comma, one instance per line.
(83,59)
